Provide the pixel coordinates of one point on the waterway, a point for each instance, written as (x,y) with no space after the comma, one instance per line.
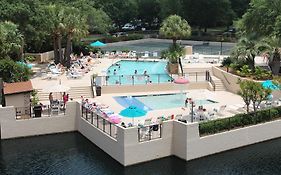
(73,154)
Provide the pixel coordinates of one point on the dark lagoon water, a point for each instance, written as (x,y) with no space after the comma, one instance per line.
(73,154)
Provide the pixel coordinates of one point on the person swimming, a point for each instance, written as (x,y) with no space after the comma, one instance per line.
(136,71)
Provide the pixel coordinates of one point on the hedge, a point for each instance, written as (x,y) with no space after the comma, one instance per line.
(238,121)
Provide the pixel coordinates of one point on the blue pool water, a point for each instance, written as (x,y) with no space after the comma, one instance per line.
(122,71)
(158,101)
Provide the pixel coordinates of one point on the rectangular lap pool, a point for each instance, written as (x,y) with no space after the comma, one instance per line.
(137,72)
(158,101)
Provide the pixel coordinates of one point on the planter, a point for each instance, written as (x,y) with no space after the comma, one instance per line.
(37,111)
(173,68)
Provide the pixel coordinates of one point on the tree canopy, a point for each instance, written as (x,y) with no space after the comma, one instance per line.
(175,27)
(11,40)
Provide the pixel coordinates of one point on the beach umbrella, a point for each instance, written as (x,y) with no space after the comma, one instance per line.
(132,111)
(115,118)
(181,81)
(57,88)
(97,44)
(268,84)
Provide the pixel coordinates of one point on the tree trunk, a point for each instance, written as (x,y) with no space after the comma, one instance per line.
(180,66)
(56,52)
(275,63)
(253,63)
(60,49)
(199,31)
(174,42)
(254,106)
(247,107)
(68,49)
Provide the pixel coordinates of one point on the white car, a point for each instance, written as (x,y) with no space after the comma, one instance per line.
(128,26)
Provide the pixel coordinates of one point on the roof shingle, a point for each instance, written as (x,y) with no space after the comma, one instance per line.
(13,88)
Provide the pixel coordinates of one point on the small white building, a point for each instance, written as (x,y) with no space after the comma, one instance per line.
(18,95)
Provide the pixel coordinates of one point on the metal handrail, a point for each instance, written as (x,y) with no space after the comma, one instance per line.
(209,79)
(134,79)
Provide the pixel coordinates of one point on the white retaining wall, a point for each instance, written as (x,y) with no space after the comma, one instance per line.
(12,128)
(179,139)
(195,146)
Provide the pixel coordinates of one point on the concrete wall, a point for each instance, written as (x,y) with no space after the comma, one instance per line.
(196,146)
(115,148)
(42,57)
(12,128)
(18,100)
(136,152)
(229,80)
(179,139)
(152,87)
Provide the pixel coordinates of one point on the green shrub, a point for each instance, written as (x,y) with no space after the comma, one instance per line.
(239,120)
(84,48)
(244,71)
(261,74)
(14,72)
(173,53)
(30,58)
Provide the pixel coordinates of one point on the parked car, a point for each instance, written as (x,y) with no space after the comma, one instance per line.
(128,26)
(118,34)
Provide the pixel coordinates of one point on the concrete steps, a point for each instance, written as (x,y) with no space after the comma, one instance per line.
(219,84)
(74,92)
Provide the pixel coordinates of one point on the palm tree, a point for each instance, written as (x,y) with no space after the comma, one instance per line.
(175,27)
(273,52)
(75,27)
(247,49)
(54,26)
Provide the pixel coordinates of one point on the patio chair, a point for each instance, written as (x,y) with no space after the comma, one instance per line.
(55,109)
(178,116)
(147,121)
(146,54)
(220,110)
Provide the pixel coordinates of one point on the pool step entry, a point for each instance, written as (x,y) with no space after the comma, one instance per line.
(219,84)
(74,92)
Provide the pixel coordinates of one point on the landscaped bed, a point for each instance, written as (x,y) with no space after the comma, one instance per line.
(239,121)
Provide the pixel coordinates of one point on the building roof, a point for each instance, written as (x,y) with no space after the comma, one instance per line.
(19,87)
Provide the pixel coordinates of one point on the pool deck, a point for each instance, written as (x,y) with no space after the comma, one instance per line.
(223,97)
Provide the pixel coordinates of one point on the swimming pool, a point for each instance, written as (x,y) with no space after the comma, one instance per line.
(137,72)
(158,101)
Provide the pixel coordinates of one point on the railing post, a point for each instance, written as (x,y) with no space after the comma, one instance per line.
(228,123)
(97,121)
(92,117)
(149,133)
(133,79)
(109,128)
(139,134)
(160,125)
(120,79)
(196,76)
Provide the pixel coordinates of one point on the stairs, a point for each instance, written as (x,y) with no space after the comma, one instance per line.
(219,84)
(74,92)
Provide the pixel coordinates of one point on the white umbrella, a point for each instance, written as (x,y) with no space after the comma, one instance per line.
(57,88)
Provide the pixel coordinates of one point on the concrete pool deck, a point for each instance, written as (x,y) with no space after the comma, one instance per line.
(222,97)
